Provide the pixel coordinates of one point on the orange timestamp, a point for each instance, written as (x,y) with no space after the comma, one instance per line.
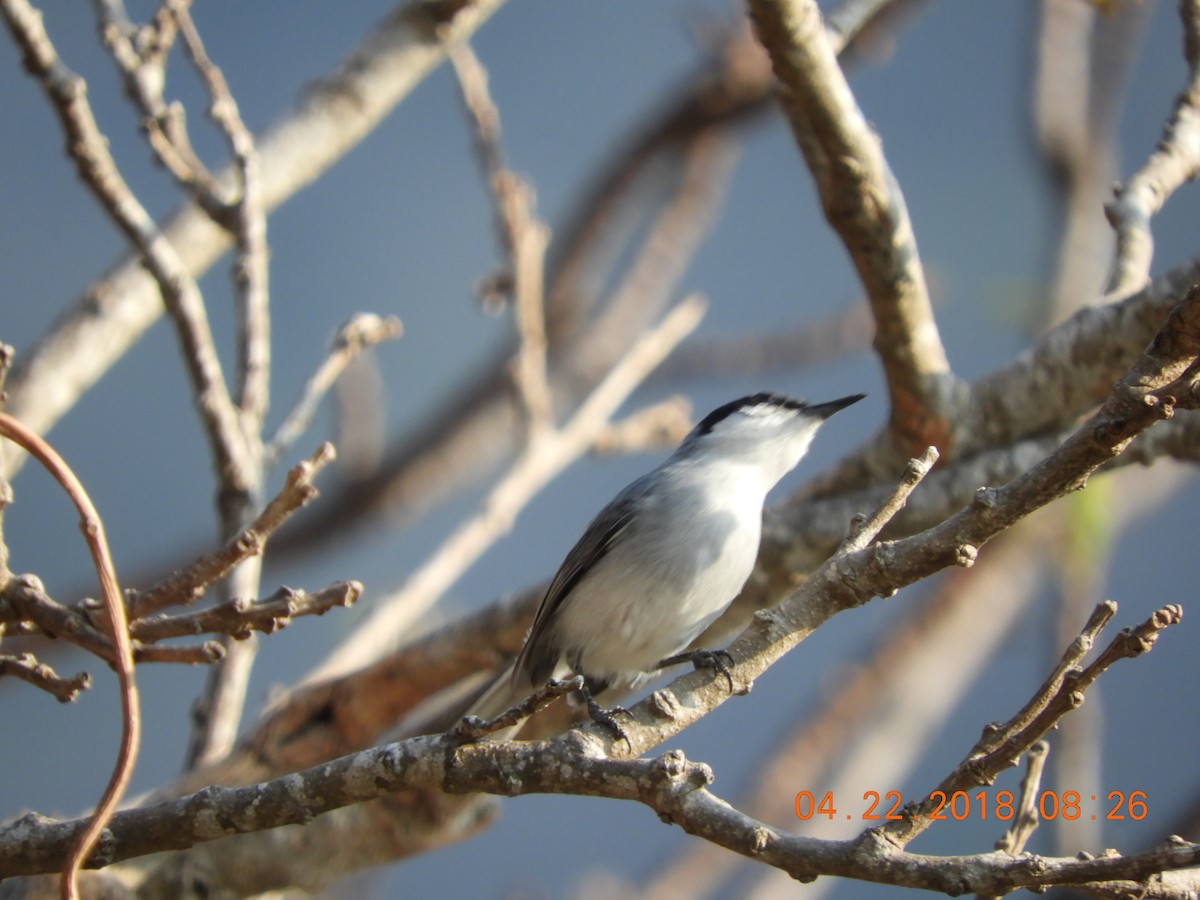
(961,805)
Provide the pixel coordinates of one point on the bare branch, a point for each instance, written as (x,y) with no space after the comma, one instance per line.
(865,206)
(1175,160)
(1026,819)
(26,667)
(362,332)
(188,585)
(670,785)
(522,234)
(1001,747)
(238,617)
(321,128)
(89,151)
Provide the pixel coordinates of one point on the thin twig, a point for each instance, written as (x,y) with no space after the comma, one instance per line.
(864,204)
(250,231)
(1025,822)
(238,617)
(142,54)
(93,533)
(189,584)
(180,654)
(318,129)
(1068,663)
(522,234)
(864,529)
(1001,746)
(89,151)
(26,667)
(472,729)
(1175,161)
(362,332)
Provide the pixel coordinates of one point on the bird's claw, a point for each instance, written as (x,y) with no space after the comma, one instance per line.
(605,718)
(717,660)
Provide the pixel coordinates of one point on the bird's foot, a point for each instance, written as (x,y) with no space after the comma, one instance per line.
(606,718)
(718,660)
(603,716)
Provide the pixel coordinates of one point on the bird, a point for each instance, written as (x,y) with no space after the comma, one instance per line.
(663,559)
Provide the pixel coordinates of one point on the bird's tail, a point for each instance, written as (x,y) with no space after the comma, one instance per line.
(499,697)
(470,697)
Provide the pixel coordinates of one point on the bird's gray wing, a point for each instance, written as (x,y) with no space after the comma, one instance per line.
(537,660)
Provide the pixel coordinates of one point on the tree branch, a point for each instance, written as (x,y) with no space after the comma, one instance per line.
(362,332)
(864,204)
(321,128)
(240,616)
(1063,691)
(26,667)
(1175,160)
(189,584)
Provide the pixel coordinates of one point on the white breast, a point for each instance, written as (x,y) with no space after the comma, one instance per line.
(676,569)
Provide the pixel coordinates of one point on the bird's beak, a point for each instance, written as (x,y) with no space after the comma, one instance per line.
(825,410)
